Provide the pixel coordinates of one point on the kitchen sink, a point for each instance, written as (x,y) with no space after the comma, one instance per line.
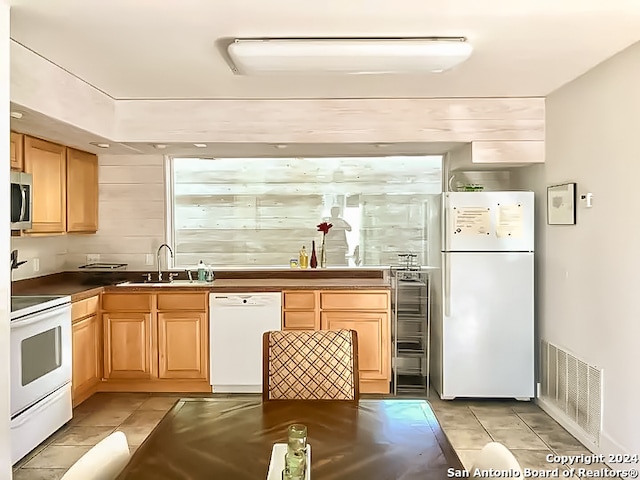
(166,283)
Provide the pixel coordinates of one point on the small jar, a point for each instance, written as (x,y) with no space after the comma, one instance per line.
(293,263)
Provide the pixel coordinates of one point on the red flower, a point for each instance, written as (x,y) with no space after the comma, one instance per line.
(324,227)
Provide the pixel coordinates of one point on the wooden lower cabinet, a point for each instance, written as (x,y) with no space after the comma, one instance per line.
(299,310)
(373,339)
(127,345)
(156,342)
(86,357)
(365,311)
(181,345)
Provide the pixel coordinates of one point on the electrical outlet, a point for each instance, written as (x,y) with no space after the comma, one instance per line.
(36,264)
(148,259)
(93,258)
(538,389)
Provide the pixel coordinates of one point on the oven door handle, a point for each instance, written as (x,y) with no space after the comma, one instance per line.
(37,317)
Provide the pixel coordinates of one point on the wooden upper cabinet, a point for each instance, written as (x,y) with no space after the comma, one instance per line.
(47,163)
(17,158)
(82,191)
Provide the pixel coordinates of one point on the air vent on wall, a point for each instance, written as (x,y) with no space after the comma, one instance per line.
(574,388)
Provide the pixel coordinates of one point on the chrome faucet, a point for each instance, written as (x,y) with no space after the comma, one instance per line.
(158,259)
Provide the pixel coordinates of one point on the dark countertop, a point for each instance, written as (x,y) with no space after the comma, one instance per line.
(80,285)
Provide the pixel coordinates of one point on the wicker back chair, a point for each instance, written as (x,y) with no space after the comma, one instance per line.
(310,365)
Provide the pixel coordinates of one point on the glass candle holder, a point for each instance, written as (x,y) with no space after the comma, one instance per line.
(297,438)
(294,466)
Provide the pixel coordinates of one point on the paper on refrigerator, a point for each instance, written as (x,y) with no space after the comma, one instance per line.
(510,220)
(471,221)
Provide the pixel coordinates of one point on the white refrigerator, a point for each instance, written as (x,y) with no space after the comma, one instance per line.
(483,327)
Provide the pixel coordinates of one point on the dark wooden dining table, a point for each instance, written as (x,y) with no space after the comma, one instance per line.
(231,439)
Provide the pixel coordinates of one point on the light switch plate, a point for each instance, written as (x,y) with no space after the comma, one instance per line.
(36,264)
(149,259)
(93,258)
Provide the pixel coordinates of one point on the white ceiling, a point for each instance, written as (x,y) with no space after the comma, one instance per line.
(170,48)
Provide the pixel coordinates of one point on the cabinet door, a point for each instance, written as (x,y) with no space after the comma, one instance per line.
(82,191)
(127,345)
(86,371)
(182,345)
(17,162)
(299,320)
(374,345)
(47,163)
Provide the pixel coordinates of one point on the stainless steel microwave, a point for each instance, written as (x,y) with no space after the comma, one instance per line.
(21,200)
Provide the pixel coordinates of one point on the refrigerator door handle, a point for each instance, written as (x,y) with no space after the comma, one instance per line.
(446,264)
(445,222)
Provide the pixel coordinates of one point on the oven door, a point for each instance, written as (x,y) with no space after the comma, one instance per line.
(40,356)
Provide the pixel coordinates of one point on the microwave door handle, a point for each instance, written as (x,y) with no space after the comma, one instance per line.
(23,207)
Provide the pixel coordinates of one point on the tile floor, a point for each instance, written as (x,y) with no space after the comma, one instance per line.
(521,426)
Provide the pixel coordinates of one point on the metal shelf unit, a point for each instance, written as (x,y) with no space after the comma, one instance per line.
(410,329)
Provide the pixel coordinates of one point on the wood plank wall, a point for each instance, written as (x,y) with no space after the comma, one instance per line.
(332,120)
(51,253)
(131,212)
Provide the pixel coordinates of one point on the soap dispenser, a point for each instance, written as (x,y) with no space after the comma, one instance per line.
(201,271)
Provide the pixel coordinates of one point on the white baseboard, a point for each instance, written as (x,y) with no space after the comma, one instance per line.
(559,416)
(237,389)
(607,445)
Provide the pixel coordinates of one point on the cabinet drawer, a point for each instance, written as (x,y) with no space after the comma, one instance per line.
(354,300)
(127,302)
(182,301)
(300,320)
(299,300)
(83,308)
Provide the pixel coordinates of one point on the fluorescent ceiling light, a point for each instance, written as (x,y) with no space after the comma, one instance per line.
(347,56)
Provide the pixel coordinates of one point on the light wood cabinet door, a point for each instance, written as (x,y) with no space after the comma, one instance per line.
(127,345)
(86,355)
(182,345)
(17,162)
(374,345)
(299,320)
(47,163)
(82,191)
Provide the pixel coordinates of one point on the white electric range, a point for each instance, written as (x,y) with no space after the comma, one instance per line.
(40,369)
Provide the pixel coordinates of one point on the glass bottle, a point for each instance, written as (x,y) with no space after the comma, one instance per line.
(314,260)
(303,260)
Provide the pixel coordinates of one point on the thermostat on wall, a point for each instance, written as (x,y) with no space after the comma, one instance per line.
(586,198)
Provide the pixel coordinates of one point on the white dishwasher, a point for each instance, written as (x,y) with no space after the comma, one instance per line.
(236,324)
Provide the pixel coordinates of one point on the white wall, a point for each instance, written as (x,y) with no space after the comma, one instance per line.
(591,271)
(5,441)
(131,213)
